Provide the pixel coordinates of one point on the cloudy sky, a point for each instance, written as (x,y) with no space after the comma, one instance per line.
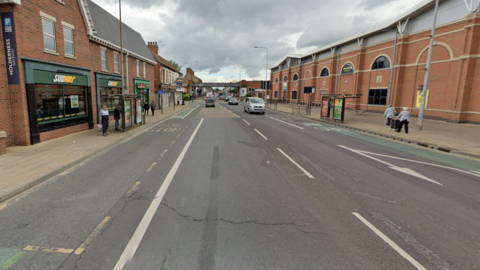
(221,34)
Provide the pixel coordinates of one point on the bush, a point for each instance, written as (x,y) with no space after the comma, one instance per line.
(187,97)
(248,95)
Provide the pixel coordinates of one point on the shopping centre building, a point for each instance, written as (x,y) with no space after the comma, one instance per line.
(387,65)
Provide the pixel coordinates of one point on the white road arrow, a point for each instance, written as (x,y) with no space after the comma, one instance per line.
(403,170)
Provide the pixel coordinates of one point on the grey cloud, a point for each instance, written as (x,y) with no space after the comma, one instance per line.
(371,4)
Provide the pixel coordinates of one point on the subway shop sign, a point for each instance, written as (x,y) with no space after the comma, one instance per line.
(46,77)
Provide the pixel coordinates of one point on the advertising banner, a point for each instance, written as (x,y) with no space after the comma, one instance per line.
(338,109)
(73,101)
(243,92)
(128,113)
(284,87)
(419,99)
(10,47)
(139,111)
(325,108)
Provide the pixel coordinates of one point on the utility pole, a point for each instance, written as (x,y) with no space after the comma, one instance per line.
(121,45)
(427,73)
(266,67)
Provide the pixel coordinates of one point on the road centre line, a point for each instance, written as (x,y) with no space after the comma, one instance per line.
(261,134)
(164,152)
(287,123)
(151,166)
(296,164)
(137,237)
(89,239)
(49,250)
(134,187)
(246,122)
(385,238)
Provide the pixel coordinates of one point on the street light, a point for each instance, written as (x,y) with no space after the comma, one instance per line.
(266,66)
(427,74)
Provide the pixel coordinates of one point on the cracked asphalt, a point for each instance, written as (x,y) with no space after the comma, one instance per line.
(236,202)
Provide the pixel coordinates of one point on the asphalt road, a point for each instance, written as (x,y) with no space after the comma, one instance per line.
(217,188)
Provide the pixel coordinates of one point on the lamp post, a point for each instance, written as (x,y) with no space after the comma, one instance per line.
(393,64)
(266,67)
(427,74)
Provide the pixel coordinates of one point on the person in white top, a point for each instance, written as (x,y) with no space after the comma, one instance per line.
(389,114)
(404,117)
(105,117)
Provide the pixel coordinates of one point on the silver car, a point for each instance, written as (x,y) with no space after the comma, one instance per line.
(254,105)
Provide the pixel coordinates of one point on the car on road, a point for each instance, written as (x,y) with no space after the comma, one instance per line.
(227,98)
(210,102)
(232,101)
(254,105)
(221,98)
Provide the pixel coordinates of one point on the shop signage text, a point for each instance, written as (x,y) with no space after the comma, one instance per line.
(64,79)
(112,84)
(141,85)
(347,69)
(10,47)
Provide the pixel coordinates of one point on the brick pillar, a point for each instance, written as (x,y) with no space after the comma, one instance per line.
(3,142)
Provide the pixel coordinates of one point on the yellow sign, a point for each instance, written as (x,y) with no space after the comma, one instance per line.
(64,79)
(420,97)
(111,83)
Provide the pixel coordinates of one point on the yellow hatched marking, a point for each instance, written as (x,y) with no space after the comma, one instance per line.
(89,239)
(179,136)
(135,187)
(164,152)
(49,250)
(151,166)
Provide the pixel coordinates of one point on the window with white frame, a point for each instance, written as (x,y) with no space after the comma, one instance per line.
(103,57)
(115,62)
(68,41)
(49,34)
(138,68)
(144,69)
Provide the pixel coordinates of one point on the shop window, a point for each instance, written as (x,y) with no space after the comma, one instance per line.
(59,102)
(68,41)
(295,77)
(285,79)
(324,72)
(115,62)
(138,68)
(377,97)
(276,80)
(49,35)
(381,62)
(294,94)
(107,98)
(103,55)
(144,70)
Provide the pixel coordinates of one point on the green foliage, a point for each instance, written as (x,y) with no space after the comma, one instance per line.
(187,97)
(248,95)
(176,65)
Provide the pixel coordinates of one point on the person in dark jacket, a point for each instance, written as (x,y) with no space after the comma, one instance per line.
(146,107)
(116,115)
(152,107)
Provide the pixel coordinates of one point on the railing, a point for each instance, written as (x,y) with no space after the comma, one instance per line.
(299,109)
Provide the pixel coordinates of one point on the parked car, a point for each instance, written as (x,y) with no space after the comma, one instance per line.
(254,105)
(232,101)
(210,102)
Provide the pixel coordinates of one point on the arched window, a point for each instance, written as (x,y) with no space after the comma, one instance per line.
(285,79)
(295,77)
(276,80)
(324,72)
(381,62)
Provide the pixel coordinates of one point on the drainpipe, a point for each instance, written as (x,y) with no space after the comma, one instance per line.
(126,63)
(390,90)
(338,65)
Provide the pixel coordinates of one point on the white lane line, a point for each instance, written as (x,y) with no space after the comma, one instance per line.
(296,164)
(236,115)
(261,134)
(134,242)
(385,238)
(190,111)
(246,122)
(287,123)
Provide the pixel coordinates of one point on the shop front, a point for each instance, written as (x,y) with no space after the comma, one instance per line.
(109,92)
(142,89)
(59,98)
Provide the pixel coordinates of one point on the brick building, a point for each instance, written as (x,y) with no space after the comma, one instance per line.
(251,86)
(364,63)
(189,80)
(61,63)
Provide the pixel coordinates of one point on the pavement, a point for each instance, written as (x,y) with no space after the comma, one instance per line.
(217,188)
(462,139)
(26,166)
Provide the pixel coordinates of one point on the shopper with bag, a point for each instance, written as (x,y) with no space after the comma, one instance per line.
(105,116)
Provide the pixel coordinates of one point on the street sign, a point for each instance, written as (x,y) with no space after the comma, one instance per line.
(161,91)
(179,81)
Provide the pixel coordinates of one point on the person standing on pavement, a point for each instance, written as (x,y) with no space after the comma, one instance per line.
(146,107)
(404,117)
(152,107)
(105,116)
(389,114)
(116,115)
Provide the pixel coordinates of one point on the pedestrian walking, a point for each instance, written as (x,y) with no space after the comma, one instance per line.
(178,100)
(105,116)
(152,107)
(146,107)
(389,114)
(404,117)
(116,115)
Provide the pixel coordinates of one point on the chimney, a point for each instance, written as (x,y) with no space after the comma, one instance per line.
(190,71)
(153,47)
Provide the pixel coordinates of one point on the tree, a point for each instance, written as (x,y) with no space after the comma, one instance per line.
(176,65)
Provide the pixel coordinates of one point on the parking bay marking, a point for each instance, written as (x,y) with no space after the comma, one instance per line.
(385,238)
(296,164)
